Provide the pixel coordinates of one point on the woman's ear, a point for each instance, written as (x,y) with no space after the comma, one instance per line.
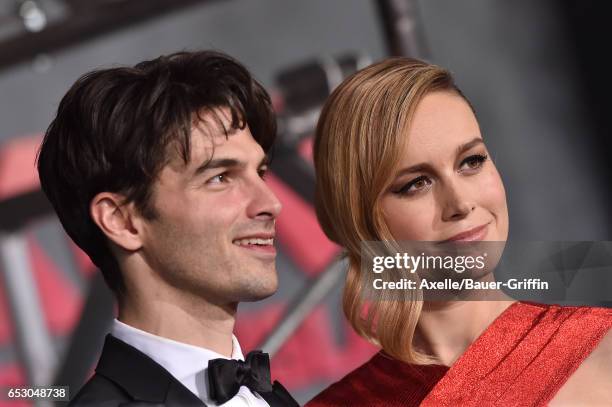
(117,221)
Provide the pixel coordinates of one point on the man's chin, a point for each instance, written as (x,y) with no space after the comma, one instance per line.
(261,286)
(259,293)
(254,297)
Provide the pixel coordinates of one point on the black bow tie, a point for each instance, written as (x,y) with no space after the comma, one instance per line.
(227,375)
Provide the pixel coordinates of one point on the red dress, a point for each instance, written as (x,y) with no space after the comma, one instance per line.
(522,359)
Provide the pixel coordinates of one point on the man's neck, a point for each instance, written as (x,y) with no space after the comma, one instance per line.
(189,320)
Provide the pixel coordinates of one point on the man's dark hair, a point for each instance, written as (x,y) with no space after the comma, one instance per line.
(114,127)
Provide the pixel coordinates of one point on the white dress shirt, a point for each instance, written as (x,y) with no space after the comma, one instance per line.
(187,363)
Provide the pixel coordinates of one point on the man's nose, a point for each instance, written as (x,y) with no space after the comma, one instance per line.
(264,203)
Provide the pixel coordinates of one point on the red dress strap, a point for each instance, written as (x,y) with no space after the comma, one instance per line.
(523,358)
(381,382)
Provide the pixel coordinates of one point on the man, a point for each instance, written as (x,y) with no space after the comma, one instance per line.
(156,172)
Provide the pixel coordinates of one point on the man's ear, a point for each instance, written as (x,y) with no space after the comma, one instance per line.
(119,222)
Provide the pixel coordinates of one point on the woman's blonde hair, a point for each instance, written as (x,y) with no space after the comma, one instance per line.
(359,139)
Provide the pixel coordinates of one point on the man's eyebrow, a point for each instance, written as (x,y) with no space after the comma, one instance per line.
(218,163)
(427,167)
(226,163)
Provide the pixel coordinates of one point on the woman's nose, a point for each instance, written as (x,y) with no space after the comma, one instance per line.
(458,202)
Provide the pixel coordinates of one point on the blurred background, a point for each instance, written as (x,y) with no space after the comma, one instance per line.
(533,71)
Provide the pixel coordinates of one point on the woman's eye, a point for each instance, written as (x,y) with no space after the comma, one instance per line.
(262,173)
(474,161)
(417,185)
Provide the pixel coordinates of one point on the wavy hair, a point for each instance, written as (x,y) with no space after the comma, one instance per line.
(359,138)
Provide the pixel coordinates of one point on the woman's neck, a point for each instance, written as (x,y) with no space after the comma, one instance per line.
(446,330)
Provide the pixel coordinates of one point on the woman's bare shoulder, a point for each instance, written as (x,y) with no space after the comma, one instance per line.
(589,385)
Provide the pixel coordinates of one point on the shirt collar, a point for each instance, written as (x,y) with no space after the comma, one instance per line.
(187,363)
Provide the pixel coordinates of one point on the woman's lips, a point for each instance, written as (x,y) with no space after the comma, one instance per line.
(474,234)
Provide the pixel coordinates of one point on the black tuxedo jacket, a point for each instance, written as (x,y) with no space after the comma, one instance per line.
(127,377)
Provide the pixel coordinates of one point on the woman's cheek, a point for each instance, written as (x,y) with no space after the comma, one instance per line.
(494,200)
(409,220)
(493,191)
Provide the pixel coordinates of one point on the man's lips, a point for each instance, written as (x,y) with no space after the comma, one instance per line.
(261,243)
(477,233)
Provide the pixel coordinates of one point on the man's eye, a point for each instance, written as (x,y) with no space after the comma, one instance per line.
(474,162)
(218,179)
(262,173)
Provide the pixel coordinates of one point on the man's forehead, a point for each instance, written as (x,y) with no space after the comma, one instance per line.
(210,128)
(216,119)
(215,143)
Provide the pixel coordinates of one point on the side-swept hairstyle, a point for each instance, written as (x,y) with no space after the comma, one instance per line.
(116,128)
(359,139)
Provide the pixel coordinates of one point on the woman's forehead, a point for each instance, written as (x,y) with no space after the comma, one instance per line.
(441,122)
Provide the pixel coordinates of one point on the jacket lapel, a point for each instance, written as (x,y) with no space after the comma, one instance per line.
(279,397)
(141,377)
(150,384)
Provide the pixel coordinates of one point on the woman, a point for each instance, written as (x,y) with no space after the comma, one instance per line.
(399,157)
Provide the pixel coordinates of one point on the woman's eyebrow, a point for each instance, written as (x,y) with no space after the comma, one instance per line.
(421,167)
(466,146)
